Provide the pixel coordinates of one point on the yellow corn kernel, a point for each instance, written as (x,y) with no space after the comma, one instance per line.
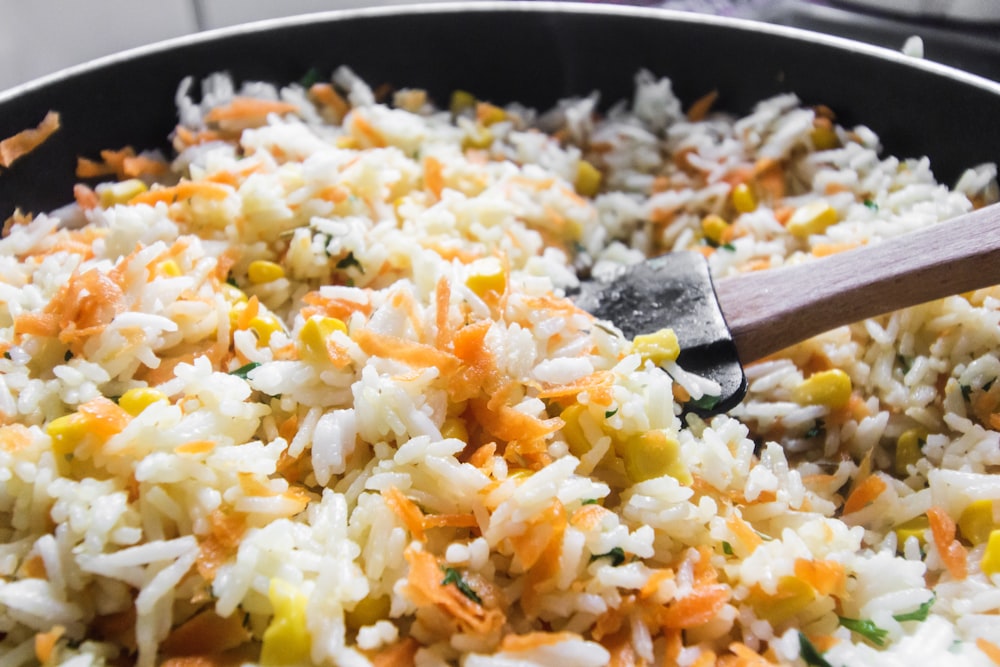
(824,138)
(347,142)
(713,227)
(831,388)
(915,527)
(907,450)
(461,100)
(313,335)
(233,294)
(573,432)
(367,611)
(478,137)
(487,276)
(261,271)
(792,596)
(990,563)
(976,522)
(67,432)
(813,218)
(121,193)
(286,640)
(743,198)
(653,454)
(658,347)
(455,428)
(265,325)
(588,179)
(489,114)
(135,400)
(169,268)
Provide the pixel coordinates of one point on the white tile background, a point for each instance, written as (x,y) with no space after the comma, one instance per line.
(38,37)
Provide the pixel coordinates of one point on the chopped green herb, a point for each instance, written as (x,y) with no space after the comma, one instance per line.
(349,261)
(904,363)
(966,390)
(115,399)
(810,654)
(866,629)
(243,371)
(68,355)
(311,76)
(589,501)
(454,577)
(871,204)
(617,556)
(920,614)
(727,548)
(230,280)
(610,413)
(706,402)
(6,354)
(986,387)
(728,246)
(818,429)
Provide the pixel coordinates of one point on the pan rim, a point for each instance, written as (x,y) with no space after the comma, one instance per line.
(539,7)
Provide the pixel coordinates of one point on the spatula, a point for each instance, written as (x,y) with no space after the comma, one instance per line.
(741,319)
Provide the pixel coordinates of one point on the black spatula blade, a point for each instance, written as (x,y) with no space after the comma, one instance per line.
(674,291)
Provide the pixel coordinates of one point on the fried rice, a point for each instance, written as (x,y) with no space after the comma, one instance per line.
(310,391)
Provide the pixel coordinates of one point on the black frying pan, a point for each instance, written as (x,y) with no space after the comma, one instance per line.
(535,53)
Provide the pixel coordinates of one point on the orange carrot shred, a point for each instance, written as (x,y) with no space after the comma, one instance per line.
(699,110)
(407,511)
(864,494)
(951,551)
(45,643)
(246,108)
(434,175)
(991,650)
(826,576)
(401,654)
(25,141)
(697,608)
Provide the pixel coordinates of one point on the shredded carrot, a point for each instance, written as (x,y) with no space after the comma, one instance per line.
(33,567)
(325,95)
(365,129)
(532,640)
(205,633)
(991,650)
(864,494)
(783,214)
(951,551)
(85,197)
(746,656)
(425,586)
(25,141)
(45,643)
(589,517)
(183,191)
(697,608)
(434,175)
(823,643)
(407,511)
(706,659)
(249,109)
(828,577)
(599,381)
(655,580)
(834,188)
(417,355)
(770,178)
(619,646)
(681,395)
(401,654)
(546,565)
(506,423)
(342,309)
(124,163)
(538,534)
(464,520)
(227,529)
(195,447)
(334,193)
(701,106)
(744,532)
(478,372)
(14,437)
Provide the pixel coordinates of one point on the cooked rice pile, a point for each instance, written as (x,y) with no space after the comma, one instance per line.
(317,397)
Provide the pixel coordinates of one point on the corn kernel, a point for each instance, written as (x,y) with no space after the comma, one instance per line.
(653,454)
(824,138)
(168,268)
(791,596)
(347,142)
(976,522)
(907,451)
(67,432)
(233,294)
(121,193)
(261,271)
(813,218)
(367,611)
(743,198)
(313,335)
(588,179)
(487,276)
(991,557)
(265,325)
(576,440)
(831,388)
(489,114)
(461,100)
(713,227)
(478,137)
(658,347)
(915,527)
(286,640)
(135,400)
(455,428)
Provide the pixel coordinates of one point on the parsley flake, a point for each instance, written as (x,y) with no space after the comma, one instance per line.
(706,402)
(349,261)
(870,204)
(727,548)
(810,654)
(617,556)
(454,578)
(866,629)
(243,371)
(919,614)
(589,501)
(610,413)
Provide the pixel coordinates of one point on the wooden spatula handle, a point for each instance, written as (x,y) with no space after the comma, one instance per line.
(769,310)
